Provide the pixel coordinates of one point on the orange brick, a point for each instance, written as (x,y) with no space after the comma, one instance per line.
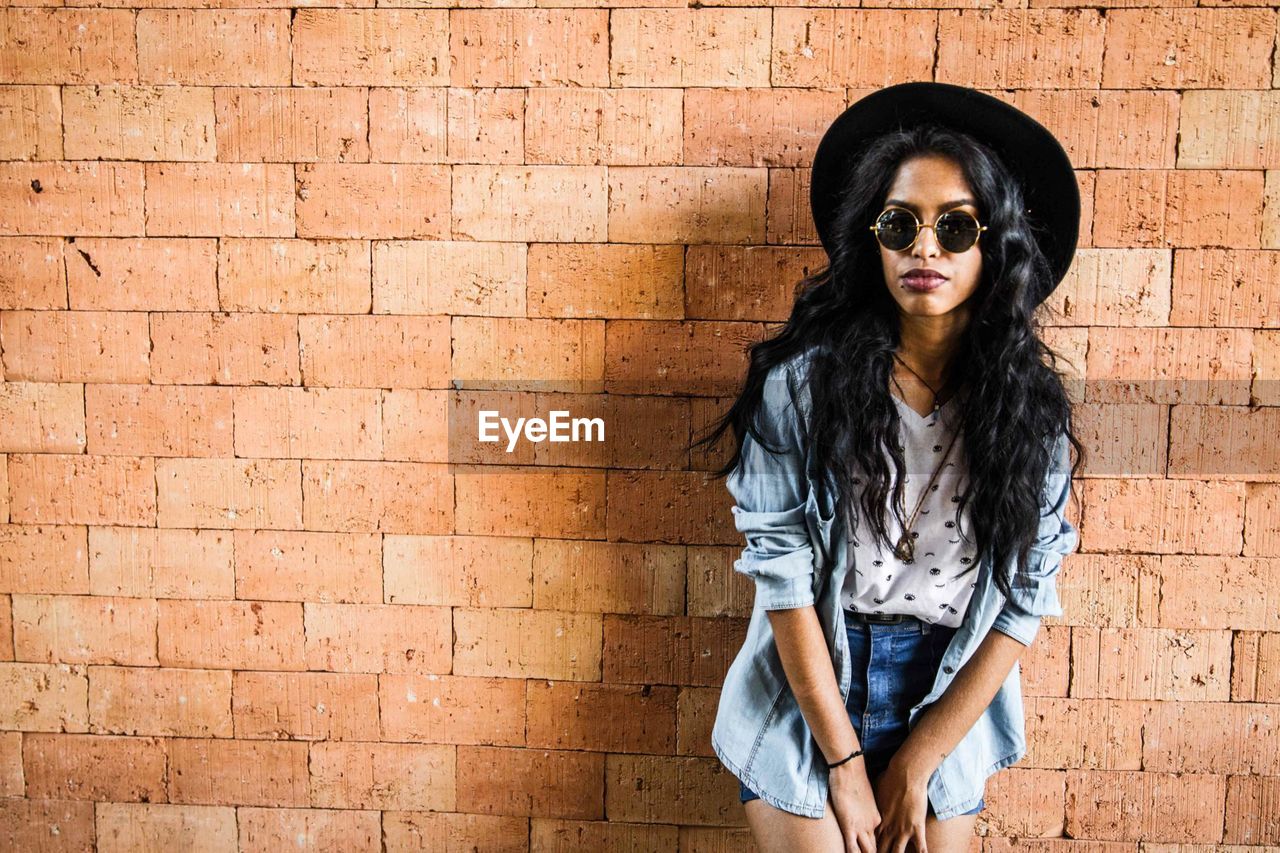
(119,122)
(1262,519)
(695,358)
(527,644)
(789,217)
(689,204)
(608,577)
(270,830)
(452,709)
(472,571)
(142,274)
(100,46)
(27,551)
(1210,737)
(238,772)
(1208,592)
(1084,733)
(415,425)
(224,349)
(671,789)
(44,416)
(1229,130)
(44,826)
(6,628)
(529,47)
(229,493)
(305,706)
(1227,442)
(851,47)
(94,767)
(1210,49)
(151,563)
(11,782)
(1158,664)
(162,826)
(302,566)
(570,280)
(1033,801)
(84,629)
(375,352)
(1163,516)
(36,697)
(371,47)
(75,346)
(158,420)
(383,776)
(32,269)
(79,489)
(237,199)
(434,830)
(231,634)
(788,124)
(745,282)
(35,129)
(486,279)
(567,715)
(409,125)
(1088,294)
(486,125)
(619,127)
(1190,207)
(542,203)
(1021,48)
(531,502)
(1169,365)
(569,354)
(389,201)
(391,638)
(308,423)
(690,47)
(389,497)
(148,701)
(550,783)
(288,124)
(71,198)
(214,47)
(1224,287)
(685,506)
(1106,129)
(1122,805)
(667,650)
(1251,803)
(294,276)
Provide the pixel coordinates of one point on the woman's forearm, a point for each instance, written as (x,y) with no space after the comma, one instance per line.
(949,718)
(811,674)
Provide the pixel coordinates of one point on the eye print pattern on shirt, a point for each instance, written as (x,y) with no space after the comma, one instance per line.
(904,595)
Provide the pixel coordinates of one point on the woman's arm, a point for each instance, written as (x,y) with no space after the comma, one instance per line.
(1014,629)
(961,704)
(811,674)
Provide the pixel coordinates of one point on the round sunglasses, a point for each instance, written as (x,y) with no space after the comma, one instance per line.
(897,229)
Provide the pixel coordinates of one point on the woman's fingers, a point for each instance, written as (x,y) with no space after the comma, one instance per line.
(867,840)
(918,837)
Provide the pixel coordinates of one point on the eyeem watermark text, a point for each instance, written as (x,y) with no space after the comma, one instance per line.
(560,427)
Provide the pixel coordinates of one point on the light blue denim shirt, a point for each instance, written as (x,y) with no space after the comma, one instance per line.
(796,556)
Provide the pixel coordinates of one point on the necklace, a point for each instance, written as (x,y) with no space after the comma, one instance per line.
(905,549)
(936,404)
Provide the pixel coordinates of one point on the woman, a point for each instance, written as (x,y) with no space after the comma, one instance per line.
(904,435)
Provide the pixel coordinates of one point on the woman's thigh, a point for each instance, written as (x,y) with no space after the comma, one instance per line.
(784,832)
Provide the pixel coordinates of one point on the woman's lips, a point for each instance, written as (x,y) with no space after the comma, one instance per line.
(922,283)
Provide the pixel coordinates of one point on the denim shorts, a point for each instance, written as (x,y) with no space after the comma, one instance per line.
(893,669)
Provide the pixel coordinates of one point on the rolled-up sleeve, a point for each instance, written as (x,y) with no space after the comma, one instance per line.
(770,492)
(1034,594)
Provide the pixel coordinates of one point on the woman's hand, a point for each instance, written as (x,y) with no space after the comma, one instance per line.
(854,804)
(904,803)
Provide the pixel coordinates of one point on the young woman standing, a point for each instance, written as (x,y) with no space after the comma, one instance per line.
(901,477)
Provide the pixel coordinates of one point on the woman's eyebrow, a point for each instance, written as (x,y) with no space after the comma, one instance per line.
(955,203)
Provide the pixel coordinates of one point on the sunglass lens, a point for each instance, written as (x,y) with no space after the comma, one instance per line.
(897,228)
(957,231)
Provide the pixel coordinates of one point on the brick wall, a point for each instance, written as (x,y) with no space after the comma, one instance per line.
(253,595)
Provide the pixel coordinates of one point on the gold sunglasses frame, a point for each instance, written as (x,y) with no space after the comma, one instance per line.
(920,226)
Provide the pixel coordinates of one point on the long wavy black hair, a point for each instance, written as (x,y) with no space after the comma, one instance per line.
(1013,404)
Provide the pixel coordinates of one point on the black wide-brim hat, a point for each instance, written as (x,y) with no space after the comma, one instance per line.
(1031,152)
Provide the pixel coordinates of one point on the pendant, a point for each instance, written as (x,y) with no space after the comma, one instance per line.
(905,549)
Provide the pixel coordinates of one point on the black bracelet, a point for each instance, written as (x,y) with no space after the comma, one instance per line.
(854,754)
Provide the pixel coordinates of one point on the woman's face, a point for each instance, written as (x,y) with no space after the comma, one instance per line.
(928,186)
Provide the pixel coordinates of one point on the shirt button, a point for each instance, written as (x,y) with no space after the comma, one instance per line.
(948,670)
